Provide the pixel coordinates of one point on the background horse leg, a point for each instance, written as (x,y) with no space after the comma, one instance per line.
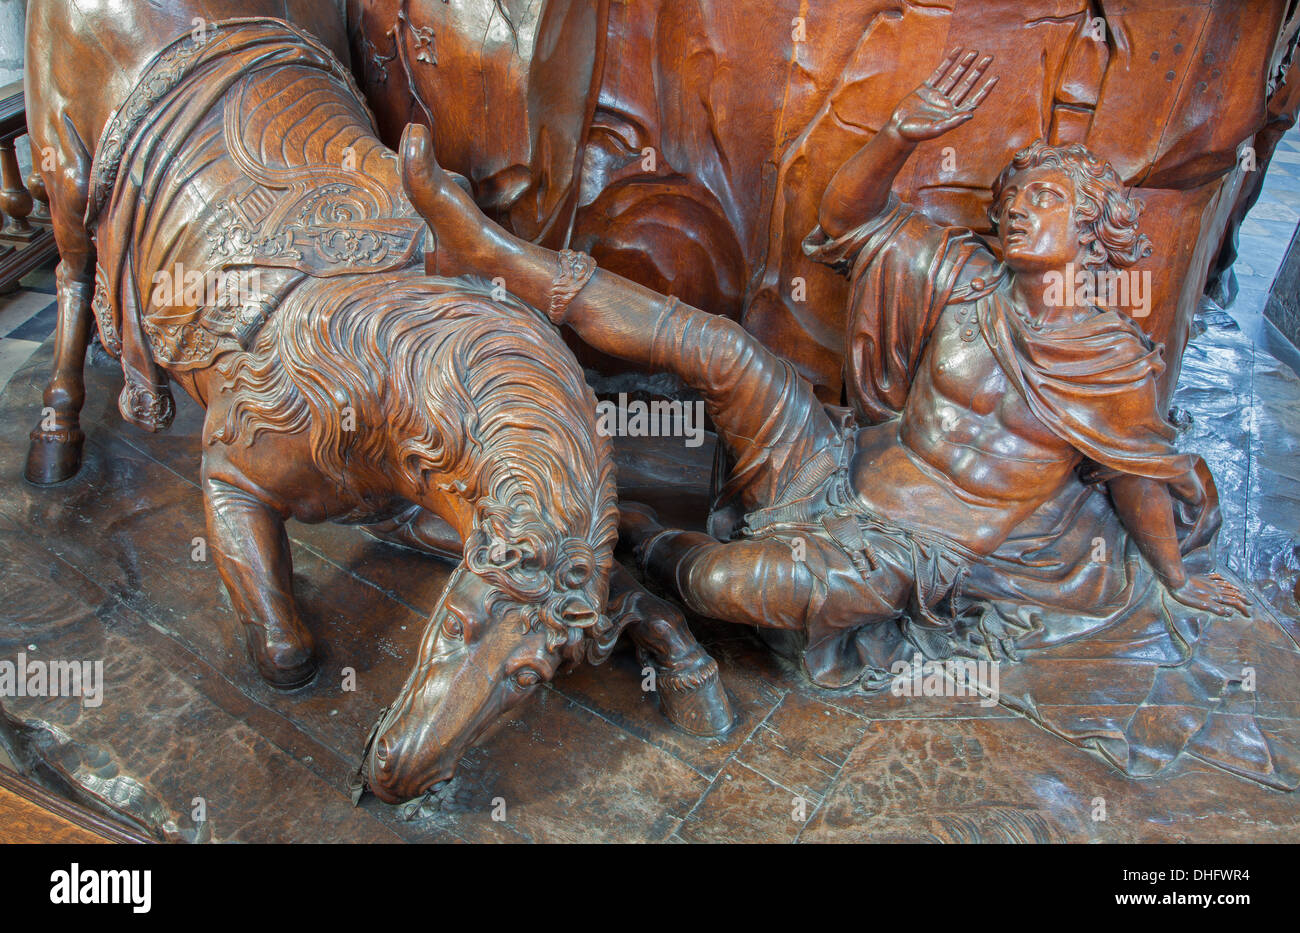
(686,677)
(56,441)
(251,551)
(420,530)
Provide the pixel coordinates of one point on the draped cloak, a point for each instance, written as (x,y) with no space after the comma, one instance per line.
(243,162)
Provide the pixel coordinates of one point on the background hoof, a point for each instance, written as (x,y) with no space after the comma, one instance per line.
(290,678)
(53,457)
(285,668)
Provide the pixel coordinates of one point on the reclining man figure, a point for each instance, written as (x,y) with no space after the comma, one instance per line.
(999,396)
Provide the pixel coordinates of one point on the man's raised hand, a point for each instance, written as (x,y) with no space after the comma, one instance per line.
(946,100)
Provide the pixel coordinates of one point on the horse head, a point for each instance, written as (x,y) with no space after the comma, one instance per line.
(526,600)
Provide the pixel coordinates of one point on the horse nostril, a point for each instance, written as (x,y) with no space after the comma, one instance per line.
(382,753)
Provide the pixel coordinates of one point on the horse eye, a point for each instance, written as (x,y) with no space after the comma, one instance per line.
(527,677)
(453,627)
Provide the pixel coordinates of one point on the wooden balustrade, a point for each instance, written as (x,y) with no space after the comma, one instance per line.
(26,240)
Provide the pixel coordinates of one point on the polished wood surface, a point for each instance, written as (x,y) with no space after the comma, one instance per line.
(30,814)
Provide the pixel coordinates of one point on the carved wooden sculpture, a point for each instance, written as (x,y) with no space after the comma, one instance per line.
(716,132)
(978,397)
(251,243)
(245,233)
(717,127)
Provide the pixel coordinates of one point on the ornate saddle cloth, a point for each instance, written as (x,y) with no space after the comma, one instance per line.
(244,161)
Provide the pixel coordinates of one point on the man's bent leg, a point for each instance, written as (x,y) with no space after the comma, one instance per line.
(766,415)
(826,612)
(752,581)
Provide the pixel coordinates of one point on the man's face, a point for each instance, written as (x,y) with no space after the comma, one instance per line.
(1036,220)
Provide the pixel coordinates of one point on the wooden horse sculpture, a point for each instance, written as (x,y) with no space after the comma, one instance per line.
(245,235)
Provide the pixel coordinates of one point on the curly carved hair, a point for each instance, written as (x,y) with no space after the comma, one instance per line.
(542,578)
(470,393)
(1107,213)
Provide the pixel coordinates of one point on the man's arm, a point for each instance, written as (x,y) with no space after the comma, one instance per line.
(860,189)
(1146,511)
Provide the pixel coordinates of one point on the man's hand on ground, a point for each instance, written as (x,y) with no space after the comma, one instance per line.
(1211,593)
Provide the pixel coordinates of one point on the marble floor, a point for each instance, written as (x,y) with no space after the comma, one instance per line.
(27,318)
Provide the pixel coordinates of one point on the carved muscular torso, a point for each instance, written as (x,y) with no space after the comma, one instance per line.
(966,458)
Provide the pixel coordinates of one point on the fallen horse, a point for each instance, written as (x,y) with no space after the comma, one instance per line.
(252,243)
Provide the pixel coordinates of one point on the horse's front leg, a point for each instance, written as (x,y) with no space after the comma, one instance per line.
(56,442)
(686,677)
(57,439)
(251,551)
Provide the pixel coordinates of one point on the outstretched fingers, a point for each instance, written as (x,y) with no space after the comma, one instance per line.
(957,72)
(978,97)
(972,78)
(1230,596)
(937,76)
(958,79)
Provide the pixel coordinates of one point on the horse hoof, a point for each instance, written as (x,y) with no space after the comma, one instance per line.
(290,678)
(693,697)
(54,456)
(288,668)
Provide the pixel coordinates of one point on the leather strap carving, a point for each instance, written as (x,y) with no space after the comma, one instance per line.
(575,271)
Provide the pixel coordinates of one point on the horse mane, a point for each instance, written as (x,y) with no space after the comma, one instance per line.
(474,394)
